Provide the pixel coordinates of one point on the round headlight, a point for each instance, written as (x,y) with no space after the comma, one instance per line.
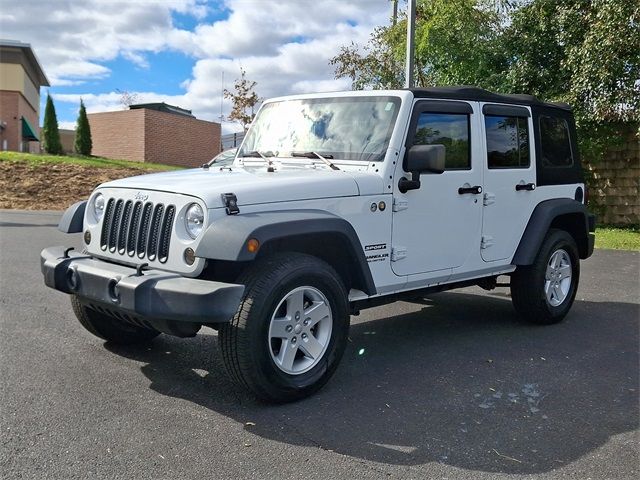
(98,206)
(194,220)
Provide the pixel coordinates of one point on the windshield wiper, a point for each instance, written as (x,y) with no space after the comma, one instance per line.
(257,154)
(325,158)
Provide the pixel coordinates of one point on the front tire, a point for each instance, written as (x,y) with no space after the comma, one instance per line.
(290,330)
(543,292)
(110,328)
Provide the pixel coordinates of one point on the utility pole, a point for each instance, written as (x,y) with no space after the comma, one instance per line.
(411,27)
(221,97)
(395,13)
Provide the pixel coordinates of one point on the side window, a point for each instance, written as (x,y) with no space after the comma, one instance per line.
(507,141)
(450,130)
(555,144)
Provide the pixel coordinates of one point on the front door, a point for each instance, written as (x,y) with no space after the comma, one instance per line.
(437,227)
(509,179)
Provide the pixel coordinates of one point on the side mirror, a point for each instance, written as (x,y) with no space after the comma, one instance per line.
(426,158)
(422,159)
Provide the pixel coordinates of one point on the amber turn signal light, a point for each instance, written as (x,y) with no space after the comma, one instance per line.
(253,245)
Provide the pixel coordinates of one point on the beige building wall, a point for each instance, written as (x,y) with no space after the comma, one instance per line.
(14,78)
(67,139)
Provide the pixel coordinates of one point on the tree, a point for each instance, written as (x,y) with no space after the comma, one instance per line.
(454,44)
(83,143)
(244,99)
(50,133)
(127,98)
(586,53)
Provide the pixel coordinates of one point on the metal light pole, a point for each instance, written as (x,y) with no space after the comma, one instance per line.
(411,27)
(395,13)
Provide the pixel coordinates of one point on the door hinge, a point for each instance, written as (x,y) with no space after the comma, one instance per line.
(487,241)
(488,198)
(398,253)
(399,205)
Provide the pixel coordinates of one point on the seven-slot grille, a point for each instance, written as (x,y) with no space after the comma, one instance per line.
(137,228)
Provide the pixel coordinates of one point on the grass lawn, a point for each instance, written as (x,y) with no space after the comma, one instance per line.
(98,162)
(618,238)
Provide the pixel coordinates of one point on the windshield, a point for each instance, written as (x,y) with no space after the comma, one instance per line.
(346,128)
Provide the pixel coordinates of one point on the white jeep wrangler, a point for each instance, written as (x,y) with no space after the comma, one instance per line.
(335,203)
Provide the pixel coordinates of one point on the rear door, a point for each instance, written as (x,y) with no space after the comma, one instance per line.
(509,179)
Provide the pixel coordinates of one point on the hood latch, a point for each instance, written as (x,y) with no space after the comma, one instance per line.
(231,203)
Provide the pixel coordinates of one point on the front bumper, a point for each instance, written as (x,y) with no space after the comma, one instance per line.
(153,294)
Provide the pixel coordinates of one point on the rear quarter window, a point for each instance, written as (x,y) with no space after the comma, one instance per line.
(555,142)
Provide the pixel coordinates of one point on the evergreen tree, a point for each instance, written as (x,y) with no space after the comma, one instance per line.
(83,142)
(50,133)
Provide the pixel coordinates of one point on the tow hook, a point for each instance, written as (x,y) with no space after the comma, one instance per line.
(140,268)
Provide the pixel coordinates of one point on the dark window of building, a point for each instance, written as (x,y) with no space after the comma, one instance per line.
(450,130)
(554,139)
(507,141)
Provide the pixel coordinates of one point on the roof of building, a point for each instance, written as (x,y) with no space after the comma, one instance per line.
(464,92)
(7,45)
(163,107)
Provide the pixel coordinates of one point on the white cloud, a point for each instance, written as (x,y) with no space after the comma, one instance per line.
(283,45)
(72,37)
(67,125)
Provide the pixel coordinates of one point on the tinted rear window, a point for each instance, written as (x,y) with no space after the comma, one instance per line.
(507,141)
(555,142)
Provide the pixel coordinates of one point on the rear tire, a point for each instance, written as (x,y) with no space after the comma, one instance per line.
(543,292)
(290,330)
(110,328)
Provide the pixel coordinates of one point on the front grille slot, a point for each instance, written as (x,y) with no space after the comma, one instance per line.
(124,227)
(132,235)
(165,233)
(154,232)
(143,231)
(115,225)
(131,229)
(106,224)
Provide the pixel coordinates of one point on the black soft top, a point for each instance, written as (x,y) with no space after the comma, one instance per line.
(481,95)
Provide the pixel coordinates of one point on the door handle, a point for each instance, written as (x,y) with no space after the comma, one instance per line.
(475,190)
(525,186)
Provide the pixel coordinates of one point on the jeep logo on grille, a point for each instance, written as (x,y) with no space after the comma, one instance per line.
(141,196)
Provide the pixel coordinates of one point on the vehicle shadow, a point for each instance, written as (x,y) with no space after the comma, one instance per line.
(460,381)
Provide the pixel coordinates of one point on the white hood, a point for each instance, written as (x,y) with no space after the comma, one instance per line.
(255,186)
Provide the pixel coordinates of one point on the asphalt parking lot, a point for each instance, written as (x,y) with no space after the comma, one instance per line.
(455,387)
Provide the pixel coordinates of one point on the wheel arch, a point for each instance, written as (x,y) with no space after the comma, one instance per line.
(315,232)
(563,214)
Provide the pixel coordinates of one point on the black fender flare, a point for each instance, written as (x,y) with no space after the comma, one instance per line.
(226,238)
(541,220)
(72,220)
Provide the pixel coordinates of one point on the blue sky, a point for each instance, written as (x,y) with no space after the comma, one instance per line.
(177,50)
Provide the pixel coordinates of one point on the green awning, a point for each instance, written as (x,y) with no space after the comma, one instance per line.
(28,132)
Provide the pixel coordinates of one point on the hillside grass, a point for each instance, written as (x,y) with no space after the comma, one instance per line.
(37,160)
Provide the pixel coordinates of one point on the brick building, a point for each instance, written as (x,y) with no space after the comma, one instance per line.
(155,133)
(21,77)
